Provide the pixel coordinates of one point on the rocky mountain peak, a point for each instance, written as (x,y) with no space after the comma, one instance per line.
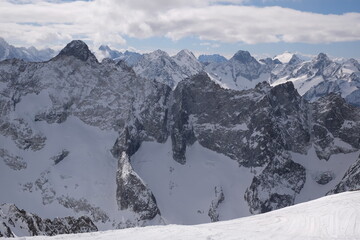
(322,56)
(243,57)
(294,60)
(32,48)
(159,53)
(113,54)
(104,48)
(185,53)
(78,49)
(352,63)
(285,94)
(321,60)
(3,42)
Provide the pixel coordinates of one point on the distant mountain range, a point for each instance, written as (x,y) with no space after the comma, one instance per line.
(312,78)
(130,58)
(31,54)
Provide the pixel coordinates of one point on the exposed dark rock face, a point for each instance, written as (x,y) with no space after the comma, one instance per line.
(14,221)
(244,57)
(276,187)
(257,127)
(213,210)
(147,122)
(132,193)
(23,136)
(78,49)
(324,178)
(58,158)
(83,206)
(13,162)
(243,125)
(269,64)
(5,231)
(350,181)
(333,118)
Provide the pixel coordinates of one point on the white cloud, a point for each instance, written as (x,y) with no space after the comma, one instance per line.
(44,23)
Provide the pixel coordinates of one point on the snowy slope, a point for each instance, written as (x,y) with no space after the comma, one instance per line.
(329,218)
(185,193)
(322,176)
(284,57)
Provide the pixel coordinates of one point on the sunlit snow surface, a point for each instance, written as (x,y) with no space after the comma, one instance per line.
(331,217)
(184,192)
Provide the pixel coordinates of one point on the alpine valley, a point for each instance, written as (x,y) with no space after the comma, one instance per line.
(153,139)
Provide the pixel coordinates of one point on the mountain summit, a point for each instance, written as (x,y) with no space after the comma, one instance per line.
(244,57)
(78,49)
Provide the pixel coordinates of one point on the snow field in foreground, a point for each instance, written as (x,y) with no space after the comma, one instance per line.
(330,217)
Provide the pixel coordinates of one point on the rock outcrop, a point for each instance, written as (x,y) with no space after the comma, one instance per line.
(16,222)
(132,192)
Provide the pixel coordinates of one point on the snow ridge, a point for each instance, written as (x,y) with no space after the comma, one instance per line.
(331,217)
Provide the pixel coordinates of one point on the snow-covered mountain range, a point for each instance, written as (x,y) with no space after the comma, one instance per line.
(130,58)
(170,140)
(331,217)
(31,54)
(313,79)
(160,66)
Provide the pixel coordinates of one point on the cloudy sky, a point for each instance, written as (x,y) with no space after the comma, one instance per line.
(263,27)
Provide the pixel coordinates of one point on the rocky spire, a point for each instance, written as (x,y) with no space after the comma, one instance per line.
(78,49)
(244,57)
